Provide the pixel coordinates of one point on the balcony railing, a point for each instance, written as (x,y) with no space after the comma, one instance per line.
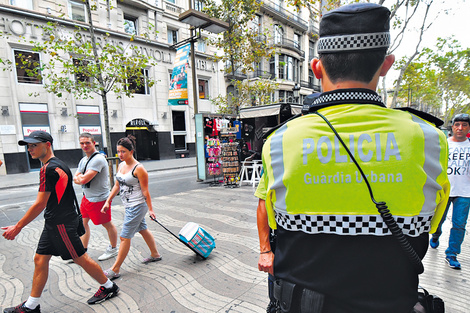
(261,74)
(312,29)
(311,85)
(283,42)
(284,15)
(172,8)
(288,43)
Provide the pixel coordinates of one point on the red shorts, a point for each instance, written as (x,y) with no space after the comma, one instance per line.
(92,210)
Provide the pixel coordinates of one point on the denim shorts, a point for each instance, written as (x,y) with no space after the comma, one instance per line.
(134,220)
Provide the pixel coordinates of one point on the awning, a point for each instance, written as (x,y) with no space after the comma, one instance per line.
(268,110)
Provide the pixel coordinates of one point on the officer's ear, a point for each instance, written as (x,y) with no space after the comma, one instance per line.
(388,62)
(317,68)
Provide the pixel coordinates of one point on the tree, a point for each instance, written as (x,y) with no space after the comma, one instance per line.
(244,46)
(441,78)
(78,65)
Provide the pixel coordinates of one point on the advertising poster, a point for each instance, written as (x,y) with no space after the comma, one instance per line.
(178,93)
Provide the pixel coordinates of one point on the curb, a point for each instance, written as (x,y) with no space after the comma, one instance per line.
(149,170)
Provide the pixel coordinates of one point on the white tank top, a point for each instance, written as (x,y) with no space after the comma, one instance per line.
(131,193)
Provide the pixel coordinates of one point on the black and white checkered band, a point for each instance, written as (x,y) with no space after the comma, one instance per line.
(353,42)
(348,96)
(352,224)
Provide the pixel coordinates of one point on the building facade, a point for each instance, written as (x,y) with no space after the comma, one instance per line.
(163,131)
(293,33)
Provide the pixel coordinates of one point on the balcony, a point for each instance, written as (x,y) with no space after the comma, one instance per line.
(261,74)
(172,8)
(283,42)
(313,30)
(276,11)
(289,44)
(310,85)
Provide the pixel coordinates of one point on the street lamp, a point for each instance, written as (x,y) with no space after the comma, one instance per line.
(200,20)
(296,90)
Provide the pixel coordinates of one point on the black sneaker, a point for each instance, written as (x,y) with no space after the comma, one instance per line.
(21,308)
(103,294)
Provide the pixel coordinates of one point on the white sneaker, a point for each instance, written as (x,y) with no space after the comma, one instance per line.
(109,253)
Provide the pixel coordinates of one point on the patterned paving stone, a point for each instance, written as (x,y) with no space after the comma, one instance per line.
(228,281)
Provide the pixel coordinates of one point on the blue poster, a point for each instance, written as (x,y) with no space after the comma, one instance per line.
(178,93)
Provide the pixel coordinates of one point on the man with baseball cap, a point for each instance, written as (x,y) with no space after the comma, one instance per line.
(459,176)
(334,251)
(60,235)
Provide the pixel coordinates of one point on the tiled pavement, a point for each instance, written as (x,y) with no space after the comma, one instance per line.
(228,281)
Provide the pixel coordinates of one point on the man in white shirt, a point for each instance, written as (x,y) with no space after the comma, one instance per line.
(93,174)
(459,177)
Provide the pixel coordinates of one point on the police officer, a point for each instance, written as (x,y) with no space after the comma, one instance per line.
(334,253)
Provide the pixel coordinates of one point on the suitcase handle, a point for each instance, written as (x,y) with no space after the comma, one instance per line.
(185,243)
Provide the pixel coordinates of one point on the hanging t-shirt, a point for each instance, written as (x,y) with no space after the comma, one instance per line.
(238,125)
(458,168)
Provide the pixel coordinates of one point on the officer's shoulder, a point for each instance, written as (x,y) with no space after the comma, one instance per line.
(424,115)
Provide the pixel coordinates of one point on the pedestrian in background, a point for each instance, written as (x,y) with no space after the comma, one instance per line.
(334,252)
(459,176)
(93,175)
(60,235)
(132,183)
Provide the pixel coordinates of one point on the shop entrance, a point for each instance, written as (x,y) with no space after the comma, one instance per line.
(146,139)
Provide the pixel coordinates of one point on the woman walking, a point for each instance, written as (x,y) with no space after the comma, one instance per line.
(132,182)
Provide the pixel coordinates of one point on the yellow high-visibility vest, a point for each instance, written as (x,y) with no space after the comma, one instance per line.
(313,186)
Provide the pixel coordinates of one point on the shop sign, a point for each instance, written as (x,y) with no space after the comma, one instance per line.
(94,130)
(229,130)
(205,65)
(27,130)
(7,129)
(138,122)
(28,30)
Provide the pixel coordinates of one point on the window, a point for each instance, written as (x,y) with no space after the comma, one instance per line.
(203,89)
(198,5)
(256,24)
(288,67)
(172,36)
(201,45)
(278,34)
(311,49)
(286,96)
(179,130)
(272,67)
(77,11)
(27,67)
(297,41)
(81,71)
(138,84)
(89,122)
(34,116)
(257,69)
(25,4)
(130,25)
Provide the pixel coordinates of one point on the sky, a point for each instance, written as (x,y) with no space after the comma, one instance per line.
(450,17)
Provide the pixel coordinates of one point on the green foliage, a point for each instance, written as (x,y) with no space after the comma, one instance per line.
(439,79)
(244,45)
(73,68)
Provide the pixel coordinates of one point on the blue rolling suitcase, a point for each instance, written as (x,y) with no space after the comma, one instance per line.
(195,238)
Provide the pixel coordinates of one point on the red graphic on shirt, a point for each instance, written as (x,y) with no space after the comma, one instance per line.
(61,184)
(42,178)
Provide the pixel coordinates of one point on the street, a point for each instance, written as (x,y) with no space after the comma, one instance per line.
(228,281)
